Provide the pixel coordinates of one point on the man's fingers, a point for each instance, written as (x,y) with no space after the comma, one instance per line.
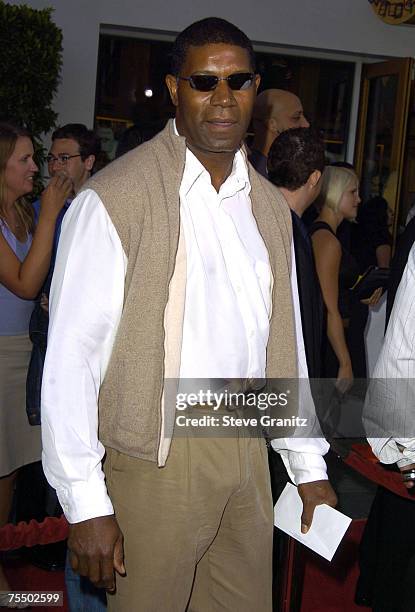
(313,494)
(96,543)
(408,476)
(307,516)
(119,557)
(94,571)
(107,574)
(99,571)
(74,561)
(83,565)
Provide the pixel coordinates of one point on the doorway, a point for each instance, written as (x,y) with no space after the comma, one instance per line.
(381,134)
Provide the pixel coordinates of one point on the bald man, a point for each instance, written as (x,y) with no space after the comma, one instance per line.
(275,111)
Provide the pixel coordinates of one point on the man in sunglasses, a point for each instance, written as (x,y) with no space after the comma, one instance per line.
(181,257)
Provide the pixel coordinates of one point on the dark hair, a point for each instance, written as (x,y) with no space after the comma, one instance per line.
(89,142)
(373,212)
(293,156)
(209,31)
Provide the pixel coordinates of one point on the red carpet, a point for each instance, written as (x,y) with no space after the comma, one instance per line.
(25,577)
(330,587)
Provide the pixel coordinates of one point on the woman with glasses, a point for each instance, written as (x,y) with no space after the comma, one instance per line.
(25,252)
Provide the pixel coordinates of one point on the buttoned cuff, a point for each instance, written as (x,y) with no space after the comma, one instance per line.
(304,467)
(85,500)
(407,457)
(405,461)
(385,449)
(388,451)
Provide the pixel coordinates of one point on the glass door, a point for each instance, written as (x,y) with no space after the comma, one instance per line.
(383,114)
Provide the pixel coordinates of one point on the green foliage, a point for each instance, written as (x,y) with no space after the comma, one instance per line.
(30,62)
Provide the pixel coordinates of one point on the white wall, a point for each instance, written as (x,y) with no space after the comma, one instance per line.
(341,25)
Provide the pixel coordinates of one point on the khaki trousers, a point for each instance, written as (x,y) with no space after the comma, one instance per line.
(197,532)
(20,443)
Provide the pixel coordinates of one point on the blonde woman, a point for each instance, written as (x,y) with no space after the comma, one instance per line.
(337,270)
(24,262)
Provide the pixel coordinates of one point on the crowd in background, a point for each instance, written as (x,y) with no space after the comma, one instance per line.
(345,241)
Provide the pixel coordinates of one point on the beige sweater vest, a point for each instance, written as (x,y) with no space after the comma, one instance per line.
(140,191)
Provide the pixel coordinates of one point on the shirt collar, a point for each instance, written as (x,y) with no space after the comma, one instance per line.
(194,169)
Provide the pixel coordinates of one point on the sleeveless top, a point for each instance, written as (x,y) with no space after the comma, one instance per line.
(348,272)
(15,312)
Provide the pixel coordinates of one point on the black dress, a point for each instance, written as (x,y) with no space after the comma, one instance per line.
(348,274)
(364,237)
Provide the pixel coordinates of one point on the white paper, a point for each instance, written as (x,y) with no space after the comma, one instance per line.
(326,531)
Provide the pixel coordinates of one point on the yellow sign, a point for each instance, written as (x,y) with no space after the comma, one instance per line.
(395,12)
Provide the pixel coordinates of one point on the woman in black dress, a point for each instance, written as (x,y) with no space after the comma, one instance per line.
(337,270)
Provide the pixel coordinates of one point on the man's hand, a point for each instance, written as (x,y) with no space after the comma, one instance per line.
(96,549)
(313,494)
(409,484)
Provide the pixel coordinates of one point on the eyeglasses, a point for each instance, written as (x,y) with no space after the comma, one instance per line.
(62,158)
(208,82)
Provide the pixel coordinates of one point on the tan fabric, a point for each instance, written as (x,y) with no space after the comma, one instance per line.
(20,442)
(173,324)
(205,517)
(141,193)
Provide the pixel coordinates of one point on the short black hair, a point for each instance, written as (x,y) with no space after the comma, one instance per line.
(89,142)
(209,31)
(293,156)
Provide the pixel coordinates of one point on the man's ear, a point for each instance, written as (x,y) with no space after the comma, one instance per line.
(314,178)
(171,82)
(272,125)
(89,162)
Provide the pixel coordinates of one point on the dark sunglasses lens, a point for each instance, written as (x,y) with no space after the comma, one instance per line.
(241,80)
(203,82)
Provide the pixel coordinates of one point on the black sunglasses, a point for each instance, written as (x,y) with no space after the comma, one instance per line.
(208,82)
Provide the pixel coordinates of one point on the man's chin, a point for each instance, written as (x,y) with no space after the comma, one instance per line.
(215,148)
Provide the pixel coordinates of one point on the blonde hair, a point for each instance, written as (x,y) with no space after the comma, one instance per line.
(335,181)
(8,137)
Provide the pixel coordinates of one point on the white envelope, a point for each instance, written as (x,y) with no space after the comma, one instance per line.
(326,531)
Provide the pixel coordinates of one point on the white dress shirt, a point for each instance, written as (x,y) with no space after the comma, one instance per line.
(389,412)
(227,268)
(86,302)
